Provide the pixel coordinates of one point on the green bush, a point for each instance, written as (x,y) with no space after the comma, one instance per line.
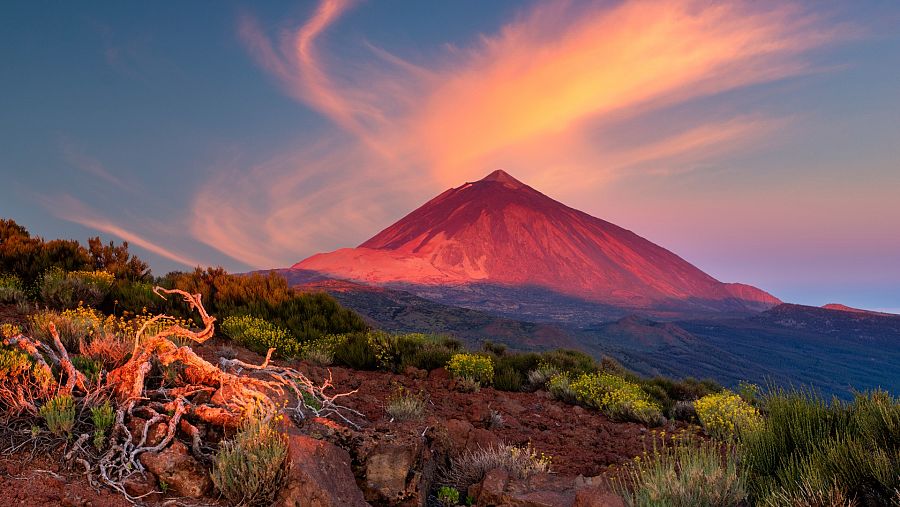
(59,414)
(726,415)
(103,417)
(508,379)
(448,496)
(88,366)
(355,351)
(616,397)
(806,447)
(63,290)
(690,475)
(430,356)
(472,366)
(249,469)
(259,335)
(572,361)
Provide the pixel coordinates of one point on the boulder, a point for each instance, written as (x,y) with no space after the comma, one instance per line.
(319,475)
(393,473)
(541,490)
(179,472)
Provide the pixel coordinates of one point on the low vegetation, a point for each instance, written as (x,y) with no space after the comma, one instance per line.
(259,335)
(470,467)
(616,397)
(726,416)
(472,367)
(249,468)
(404,405)
(689,474)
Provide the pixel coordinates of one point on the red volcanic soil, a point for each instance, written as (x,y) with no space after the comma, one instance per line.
(502,231)
(581,442)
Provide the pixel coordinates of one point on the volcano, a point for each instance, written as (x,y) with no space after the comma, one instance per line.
(500,232)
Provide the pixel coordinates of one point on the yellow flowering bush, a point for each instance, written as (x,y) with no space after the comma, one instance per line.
(8,330)
(260,335)
(725,415)
(616,397)
(473,367)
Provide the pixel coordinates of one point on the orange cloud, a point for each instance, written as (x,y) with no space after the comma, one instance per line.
(535,98)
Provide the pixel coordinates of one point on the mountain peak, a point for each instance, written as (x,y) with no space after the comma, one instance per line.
(501,176)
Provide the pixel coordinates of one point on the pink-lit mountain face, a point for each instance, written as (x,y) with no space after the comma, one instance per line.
(500,231)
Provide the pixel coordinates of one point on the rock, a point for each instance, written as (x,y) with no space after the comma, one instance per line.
(477,412)
(138,485)
(542,490)
(490,490)
(155,435)
(178,470)
(439,375)
(319,476)
(596,496)
(393,473)
(465,436)
(416,373)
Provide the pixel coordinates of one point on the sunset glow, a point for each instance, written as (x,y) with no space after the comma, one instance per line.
(758,141)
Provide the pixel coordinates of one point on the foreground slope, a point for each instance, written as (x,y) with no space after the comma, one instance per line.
(499,232)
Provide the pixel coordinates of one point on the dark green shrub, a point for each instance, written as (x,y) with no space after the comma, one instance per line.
(497,349)
(430,356)
(572,361)
(11,290)
(355,351)
(508,379)
(522,363)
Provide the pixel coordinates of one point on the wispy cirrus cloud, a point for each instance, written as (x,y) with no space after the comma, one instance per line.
(75,156)
(536,98)
(71,209)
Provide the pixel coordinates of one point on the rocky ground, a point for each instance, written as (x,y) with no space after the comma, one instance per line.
(383,462)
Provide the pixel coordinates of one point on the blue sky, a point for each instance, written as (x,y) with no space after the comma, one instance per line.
(256,135)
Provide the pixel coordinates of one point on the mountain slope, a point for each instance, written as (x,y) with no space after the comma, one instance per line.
(501,231)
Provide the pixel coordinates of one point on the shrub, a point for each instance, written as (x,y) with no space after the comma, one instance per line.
(560,387)
(448,496)
(404,405)
(13,363)
(355,351)
(249,469)
(687,476)
(11,289)
(8,330)
(467,385)
(469,467)
(616,397)
(103,417)
(110,349)
(572,361)
(61,290)
(806,448)
(259,335)
(317,355)
(508,379)
(430,356)
(667,392)
(88,366)
(73,326)
(726,415)
(538,377)
(472,366)
(521,363)
(59,414)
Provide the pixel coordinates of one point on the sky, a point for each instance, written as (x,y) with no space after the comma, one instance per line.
(758,140)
